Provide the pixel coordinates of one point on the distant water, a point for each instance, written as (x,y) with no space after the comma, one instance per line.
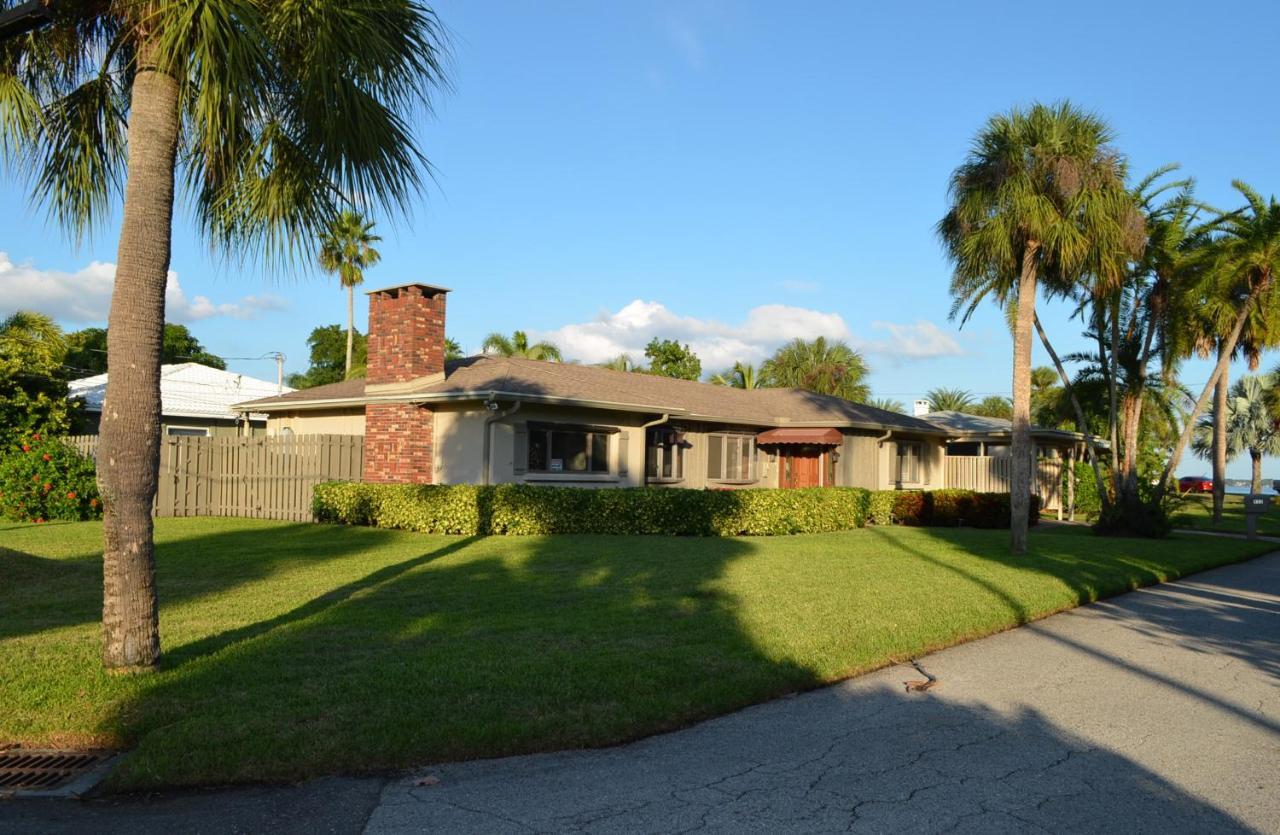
(1243,490)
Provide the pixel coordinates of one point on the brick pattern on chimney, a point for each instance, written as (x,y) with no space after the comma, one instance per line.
(406,334)
(406,341)
(398,443)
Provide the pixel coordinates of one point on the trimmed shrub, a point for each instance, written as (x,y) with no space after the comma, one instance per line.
(880,508)
(945,508)
(525,509)
(522,509)
(42,479)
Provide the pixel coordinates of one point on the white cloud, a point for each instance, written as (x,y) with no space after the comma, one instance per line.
(84,297)
(719,344)
(920,340)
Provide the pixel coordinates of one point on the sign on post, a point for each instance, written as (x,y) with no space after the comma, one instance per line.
(1255,504)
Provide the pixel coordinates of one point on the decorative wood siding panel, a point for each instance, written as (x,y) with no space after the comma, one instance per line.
(988,474)
(263,478)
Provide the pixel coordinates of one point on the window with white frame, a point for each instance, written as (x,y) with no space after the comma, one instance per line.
(568,449)
(731,458)
(909,462)
(186,431)
(664,455)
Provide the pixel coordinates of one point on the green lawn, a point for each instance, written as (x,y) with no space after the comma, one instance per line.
(293,650)
(1196,511)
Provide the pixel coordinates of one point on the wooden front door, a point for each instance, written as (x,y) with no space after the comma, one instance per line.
(801,466)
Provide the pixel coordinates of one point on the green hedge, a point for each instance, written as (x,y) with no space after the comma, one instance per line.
(522,509)
(947,508)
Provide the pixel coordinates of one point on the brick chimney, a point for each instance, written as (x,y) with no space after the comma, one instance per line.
(406,344)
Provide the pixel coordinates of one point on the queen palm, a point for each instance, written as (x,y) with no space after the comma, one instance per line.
(888,404)
(518,345)
(1041,195)
(622,362)
(275,115)
(818,366)
(949,400)
(1250,423)
(1240,286)
(743,375)
(346,250)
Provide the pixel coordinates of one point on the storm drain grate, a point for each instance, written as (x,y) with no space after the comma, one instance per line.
(29,769)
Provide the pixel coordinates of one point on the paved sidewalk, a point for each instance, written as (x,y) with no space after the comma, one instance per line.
(1158,711)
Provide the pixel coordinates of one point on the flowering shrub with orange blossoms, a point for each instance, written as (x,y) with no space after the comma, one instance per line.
(43,479)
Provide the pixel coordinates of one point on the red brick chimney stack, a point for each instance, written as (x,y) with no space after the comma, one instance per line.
(406,343)
(406,333)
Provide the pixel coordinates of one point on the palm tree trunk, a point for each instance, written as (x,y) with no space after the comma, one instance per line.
(1220,440)
(1021,449)
(351,324)
(1220,370)
(1255,484)
(129,440)
(1118,465)
(1081,424)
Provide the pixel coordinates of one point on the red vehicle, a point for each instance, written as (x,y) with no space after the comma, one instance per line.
(1195,484)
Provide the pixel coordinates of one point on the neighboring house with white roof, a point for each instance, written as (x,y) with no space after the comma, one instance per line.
(194,400)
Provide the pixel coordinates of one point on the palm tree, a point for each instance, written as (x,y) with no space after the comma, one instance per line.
(888,404)
(277,114)
(1246,260)
(993,406)
(346,250)
(1250,421)
(517,345)
(949,400)
(622,362)
(818,366)
(743,375)
(1041,195)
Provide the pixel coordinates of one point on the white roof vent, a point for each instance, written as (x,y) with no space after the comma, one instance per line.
(921,407)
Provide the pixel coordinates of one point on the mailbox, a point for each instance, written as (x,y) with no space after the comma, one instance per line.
(1255,504)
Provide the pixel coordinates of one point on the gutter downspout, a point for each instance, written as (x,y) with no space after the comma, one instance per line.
(488,438)
(644,434)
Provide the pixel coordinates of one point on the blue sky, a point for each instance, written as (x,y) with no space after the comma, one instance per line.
(730,174)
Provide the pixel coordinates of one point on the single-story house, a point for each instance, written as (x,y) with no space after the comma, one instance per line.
(977,435)
(194,400)
(488,419)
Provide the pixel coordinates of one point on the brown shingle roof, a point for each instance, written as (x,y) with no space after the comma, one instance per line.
(636,392)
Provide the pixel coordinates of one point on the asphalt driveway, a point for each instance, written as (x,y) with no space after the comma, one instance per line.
(1158,711)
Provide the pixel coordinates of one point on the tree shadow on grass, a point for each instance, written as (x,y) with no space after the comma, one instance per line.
(483,647)
(195,558)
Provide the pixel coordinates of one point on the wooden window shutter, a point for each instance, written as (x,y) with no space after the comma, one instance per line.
(520,455)
(623,438)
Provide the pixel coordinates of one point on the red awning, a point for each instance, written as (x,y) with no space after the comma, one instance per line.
(827,437)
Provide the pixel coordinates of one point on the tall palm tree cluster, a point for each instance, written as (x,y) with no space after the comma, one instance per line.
(1042,205)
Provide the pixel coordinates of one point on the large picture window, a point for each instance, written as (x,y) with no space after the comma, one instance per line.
(731,458)
(664,455)
(568,449)
(909,455)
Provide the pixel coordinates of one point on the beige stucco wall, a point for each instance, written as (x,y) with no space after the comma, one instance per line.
(318,422)
(933,472)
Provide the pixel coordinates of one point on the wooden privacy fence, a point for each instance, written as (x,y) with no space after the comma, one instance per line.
(990,474)
(265,478)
